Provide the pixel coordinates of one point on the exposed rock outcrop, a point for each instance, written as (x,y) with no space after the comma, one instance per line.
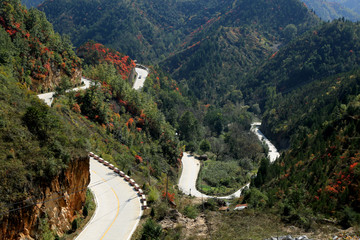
(54,79)
(193,227)
(60,200)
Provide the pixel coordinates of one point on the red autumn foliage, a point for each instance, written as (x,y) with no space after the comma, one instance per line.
(122,63)
(130,122)
(170,196)
(76,108)
(138,159)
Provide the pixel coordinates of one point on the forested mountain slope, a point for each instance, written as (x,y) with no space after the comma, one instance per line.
(217,58)
(319,174)
(331,9)
(31,3)
(147,30)
(326,51)
(310,93)
(43,156)
(45,57)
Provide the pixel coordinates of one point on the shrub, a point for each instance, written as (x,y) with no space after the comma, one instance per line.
(151,230)
(191,211)
(74,225)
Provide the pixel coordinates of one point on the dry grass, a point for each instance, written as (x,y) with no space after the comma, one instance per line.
(250,224)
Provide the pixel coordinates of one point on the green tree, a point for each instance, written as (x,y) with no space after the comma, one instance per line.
(188,127)
(205,145)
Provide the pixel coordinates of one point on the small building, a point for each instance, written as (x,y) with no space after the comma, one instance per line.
(240,207)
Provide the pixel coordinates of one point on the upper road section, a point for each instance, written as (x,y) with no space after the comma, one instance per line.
(142,73)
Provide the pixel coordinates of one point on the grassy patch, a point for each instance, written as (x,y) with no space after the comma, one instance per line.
(221,178)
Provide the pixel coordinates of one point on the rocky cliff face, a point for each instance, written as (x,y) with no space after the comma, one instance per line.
(53,80)
(60,200)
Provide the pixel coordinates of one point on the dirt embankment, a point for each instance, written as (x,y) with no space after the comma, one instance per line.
(59,199)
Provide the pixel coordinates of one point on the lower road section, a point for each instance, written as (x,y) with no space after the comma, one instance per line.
(118,208)
(190,171)
(191,168)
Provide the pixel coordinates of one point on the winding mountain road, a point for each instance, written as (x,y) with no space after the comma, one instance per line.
(118,210)
(189,174)
(49,97)
(191,168)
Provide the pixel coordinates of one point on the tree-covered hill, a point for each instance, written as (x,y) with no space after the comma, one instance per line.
(331,9)
(319,173)
(31,3)
(38,143)
(326,51)
(145,30)
(217,57)
(45,57)
(310,95)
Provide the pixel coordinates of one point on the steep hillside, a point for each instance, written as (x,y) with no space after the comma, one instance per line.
(43,158)
(43,151)
(218,56)
(45,57)
(319,174)
(147,30)
(31,3)
(332,9)
(351,4)
(95,53)
(310,94)
(323,52)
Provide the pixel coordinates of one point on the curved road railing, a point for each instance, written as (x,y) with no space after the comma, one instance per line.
(120,203)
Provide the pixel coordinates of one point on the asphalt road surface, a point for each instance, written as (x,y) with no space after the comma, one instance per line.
(49,97)
(118,210)
(140,79)
(273,152)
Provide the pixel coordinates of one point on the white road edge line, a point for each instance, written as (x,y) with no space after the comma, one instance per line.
(93,216)
(137,222)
